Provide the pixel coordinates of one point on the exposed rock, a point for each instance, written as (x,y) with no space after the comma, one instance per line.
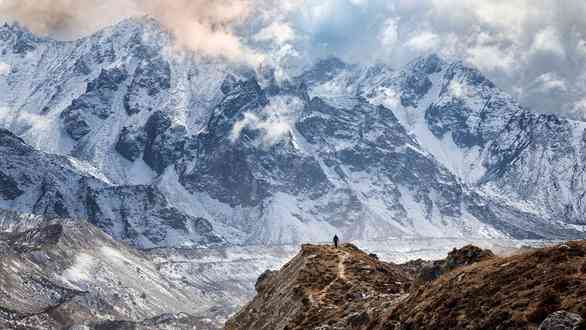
(152,77)
(56,186)
(328,288)
(96,103)
(131,143)
(164,144)
(9,187)
(561,320)
(36,238)
(263,280)
(51,202)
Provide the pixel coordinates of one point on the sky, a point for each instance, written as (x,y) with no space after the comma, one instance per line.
(534,49)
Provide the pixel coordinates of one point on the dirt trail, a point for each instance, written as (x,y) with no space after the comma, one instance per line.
(340,275)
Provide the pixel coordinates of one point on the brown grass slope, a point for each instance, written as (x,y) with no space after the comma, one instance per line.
(324,287)
(327,288)
(516,292)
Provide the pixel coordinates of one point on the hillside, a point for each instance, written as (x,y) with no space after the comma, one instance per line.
(328,288)
(59,273)
(513,292)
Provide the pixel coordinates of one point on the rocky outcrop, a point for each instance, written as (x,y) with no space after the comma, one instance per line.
(95,103)
(9,187)
(562,320)
(164,144)
(468,255)
(131,143)
(153,76)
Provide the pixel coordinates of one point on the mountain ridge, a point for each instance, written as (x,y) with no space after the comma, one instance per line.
(430,150)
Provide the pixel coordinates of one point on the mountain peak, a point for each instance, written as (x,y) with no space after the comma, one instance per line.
(427,64)
(144,22)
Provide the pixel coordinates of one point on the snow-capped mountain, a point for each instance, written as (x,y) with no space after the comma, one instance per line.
(533,162)
(160,148)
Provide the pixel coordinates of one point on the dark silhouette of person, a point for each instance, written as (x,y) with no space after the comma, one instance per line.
(336,239)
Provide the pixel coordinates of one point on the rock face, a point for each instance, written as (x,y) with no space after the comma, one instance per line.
(57,186)
(432,149)
(323,288)
(328,288)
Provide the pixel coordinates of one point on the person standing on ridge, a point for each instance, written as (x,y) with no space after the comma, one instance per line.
(336,239)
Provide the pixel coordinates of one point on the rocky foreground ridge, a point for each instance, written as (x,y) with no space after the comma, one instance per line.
(346,288)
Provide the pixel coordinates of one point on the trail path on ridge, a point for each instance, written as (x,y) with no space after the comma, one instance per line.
(340,274)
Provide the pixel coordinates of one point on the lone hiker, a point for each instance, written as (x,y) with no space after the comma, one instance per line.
(336,239)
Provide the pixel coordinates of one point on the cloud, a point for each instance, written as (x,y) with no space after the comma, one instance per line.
(278,31)
(4,69)
(514,42)
(275,121)
(490,58)
(389,36)
(63,18)
(547,40)
(207,27)
(423,41)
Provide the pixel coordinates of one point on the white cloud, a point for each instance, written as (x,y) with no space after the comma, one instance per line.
(389,36)
(4,69)
(459,89)
(580,106)
(550,81)
(548,41)
(424,41)
(490,58)
(278,32)
(275,121)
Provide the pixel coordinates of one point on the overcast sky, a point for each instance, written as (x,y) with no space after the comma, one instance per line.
(535,49)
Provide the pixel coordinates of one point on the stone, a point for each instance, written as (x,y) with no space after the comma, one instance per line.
(561,320)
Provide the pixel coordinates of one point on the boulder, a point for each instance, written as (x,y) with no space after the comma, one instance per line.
(561,320)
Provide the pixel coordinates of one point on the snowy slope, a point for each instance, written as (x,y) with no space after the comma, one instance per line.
(76,97)
(511,156)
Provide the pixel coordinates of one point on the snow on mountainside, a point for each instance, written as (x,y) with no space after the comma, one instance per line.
(54,186)
(168,149)
(62,273)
